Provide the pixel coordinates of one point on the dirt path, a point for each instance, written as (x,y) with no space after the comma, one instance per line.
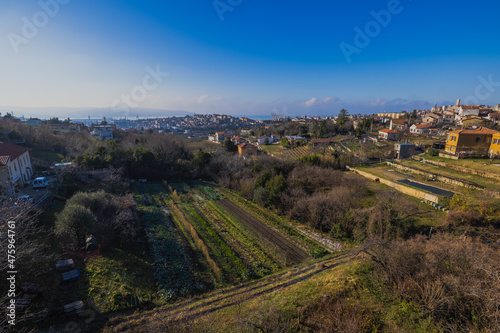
(166,317)
(293,254)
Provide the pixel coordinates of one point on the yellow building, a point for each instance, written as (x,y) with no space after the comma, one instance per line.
(393,115)
(467,141)
(247,149)
(495,146)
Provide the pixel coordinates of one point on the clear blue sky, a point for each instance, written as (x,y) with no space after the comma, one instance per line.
(262,55)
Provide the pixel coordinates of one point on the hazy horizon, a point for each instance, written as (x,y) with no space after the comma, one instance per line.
(246,58)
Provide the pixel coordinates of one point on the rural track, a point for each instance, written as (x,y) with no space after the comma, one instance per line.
(293,254)
(193,309)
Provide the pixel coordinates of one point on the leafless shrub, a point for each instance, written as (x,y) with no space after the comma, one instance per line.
(32,256)
(457,282)
(313,178)
(338,314)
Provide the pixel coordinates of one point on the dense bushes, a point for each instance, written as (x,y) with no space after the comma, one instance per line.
(326,199)
(152,156)
(465,214)
(456,282)
(95,213)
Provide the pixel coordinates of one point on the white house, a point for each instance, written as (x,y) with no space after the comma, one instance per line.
(432,118)
(387,134)
(420,129)
(220,137)
(448,117)
(262,140)
(15,166)
(275,137)
(237,140)
(398,124)
(104,132)
(468,110)
(34,122)
(292,139)
(245,131)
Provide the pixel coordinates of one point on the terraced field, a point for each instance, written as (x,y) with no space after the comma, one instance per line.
(203,237)
(297,152)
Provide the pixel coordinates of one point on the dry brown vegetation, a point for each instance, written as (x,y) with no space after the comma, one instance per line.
(455,282)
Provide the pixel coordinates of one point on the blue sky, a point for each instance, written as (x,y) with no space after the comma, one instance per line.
(261,56)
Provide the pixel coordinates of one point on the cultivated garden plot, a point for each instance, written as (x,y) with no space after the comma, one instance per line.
(203,236)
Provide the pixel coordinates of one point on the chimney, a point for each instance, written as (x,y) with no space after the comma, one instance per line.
(458,102)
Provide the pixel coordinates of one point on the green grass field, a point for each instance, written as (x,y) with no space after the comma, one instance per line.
(47,156)
(119,280)
(273,149)
(485,164)
(488,183)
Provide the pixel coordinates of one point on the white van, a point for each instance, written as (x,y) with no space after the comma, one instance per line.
(40,182)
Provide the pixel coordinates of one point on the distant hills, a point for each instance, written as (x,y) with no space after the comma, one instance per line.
(83,113)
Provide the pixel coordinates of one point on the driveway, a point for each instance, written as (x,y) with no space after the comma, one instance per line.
(37,194)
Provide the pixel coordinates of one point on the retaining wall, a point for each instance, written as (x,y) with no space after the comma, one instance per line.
(401,188)
(437,176)
(463,169)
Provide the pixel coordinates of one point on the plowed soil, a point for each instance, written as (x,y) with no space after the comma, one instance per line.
(294,255)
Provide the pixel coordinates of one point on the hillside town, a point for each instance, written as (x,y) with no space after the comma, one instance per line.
(453,131)
(196,174)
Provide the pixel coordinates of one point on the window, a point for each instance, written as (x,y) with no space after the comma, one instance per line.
(488,140)
(478,140)
(496,141)
(15,168)
(453,138)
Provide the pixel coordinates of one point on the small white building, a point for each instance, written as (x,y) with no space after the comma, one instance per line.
(104,132)
(34,122)
(404,150)
(275,137)
(220,137)
(262,140)
(15,166)
(432,119)
(294,138)
(387,134)
(420,129)
(246,131)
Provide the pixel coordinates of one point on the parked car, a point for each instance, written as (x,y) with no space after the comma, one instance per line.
(24,199)
(40,182)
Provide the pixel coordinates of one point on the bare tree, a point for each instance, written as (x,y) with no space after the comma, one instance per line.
(23,239)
